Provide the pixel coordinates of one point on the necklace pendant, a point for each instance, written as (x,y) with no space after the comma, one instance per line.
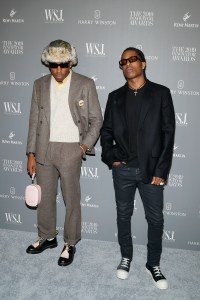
(136,91)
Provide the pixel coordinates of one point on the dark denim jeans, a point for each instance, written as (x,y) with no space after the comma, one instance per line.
(126,179)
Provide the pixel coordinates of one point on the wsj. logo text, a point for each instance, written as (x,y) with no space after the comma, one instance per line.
(181,119)
(13,218)
(169,235)
(89,172)
(12,108)
(95,49)
(54,15)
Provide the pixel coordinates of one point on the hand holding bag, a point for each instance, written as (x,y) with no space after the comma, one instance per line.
(33,194)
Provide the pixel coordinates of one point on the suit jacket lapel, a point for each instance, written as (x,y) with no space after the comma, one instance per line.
(46,99)
(146,104)
(121,102)
(74,86)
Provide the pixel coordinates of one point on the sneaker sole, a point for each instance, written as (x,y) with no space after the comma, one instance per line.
(155,283)
(123,275)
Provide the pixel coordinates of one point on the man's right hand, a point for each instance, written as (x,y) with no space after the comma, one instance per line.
(117,163)
(31,164)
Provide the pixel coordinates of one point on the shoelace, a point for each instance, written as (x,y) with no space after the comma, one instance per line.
(40,239)
(125,262)
(37,243)
(65,252)
(157,272)
(67,247)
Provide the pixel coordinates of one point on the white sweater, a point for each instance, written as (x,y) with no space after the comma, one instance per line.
(62,126)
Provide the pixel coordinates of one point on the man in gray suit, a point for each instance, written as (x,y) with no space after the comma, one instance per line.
(65,121)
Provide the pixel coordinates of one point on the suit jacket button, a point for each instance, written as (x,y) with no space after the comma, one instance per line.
(40,122)
(38,134)
(41,107)
(80,134)
(79,121)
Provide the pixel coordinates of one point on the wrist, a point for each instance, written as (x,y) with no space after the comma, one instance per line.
(84,148)
(31,154)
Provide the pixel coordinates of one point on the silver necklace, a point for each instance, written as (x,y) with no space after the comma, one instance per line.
(136,90)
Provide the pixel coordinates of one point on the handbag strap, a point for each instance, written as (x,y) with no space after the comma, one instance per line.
(33,177)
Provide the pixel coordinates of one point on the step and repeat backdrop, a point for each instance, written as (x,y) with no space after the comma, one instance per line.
(168,33)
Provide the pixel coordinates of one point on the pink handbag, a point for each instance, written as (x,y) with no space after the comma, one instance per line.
(33,194)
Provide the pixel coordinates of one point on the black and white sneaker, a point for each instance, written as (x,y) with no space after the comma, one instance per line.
(123,268)
(158,278)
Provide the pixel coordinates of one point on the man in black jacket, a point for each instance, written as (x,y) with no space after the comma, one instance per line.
(137,141)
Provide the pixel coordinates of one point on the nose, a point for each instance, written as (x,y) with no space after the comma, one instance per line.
(58,68)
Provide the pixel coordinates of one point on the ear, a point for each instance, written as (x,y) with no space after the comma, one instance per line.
(143,65)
